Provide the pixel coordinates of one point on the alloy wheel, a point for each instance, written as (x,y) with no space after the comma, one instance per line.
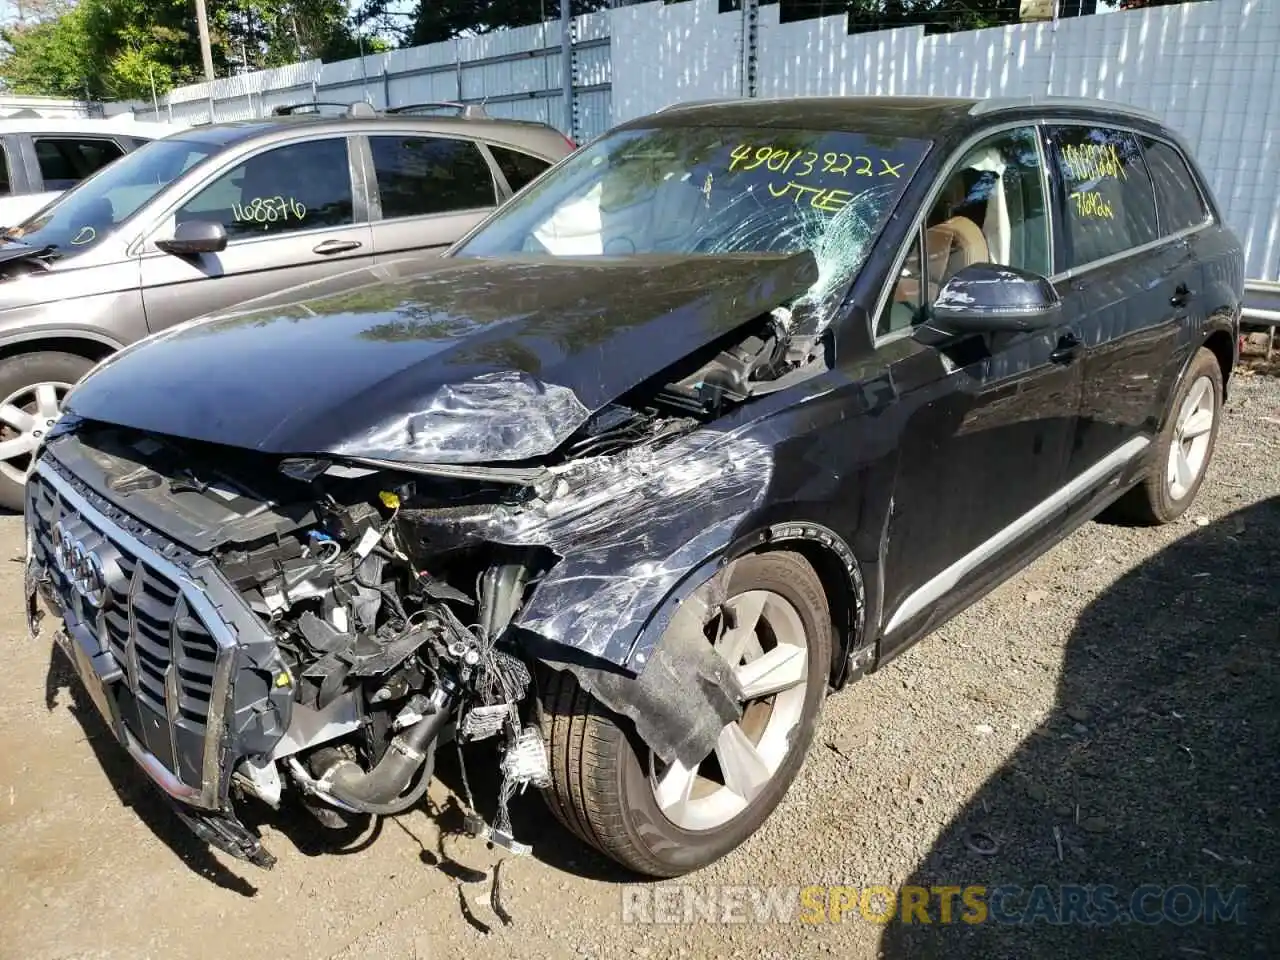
(25,418)
(1192,432)
(763,640)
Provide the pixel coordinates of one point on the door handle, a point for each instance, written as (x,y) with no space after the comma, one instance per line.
(1068,348)
(1181,296)
(330,247)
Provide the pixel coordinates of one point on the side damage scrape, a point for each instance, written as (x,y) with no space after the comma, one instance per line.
(685,695)
(629,528)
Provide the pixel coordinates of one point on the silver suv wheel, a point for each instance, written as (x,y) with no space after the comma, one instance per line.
(25,417)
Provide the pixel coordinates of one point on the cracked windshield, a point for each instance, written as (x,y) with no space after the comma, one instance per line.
(714,190)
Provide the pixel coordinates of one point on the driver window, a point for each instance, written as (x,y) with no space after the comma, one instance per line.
(991,209)
(300,186)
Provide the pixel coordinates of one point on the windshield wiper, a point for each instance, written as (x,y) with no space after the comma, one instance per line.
(26,251)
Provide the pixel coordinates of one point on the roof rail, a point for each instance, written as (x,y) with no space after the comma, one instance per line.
(1000,104)
(308,106)
(698,103)
(471,111)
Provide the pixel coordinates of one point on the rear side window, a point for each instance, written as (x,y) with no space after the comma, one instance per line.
(5,187)
(519,168)
(1178,199)
(65,161)
(1107,204)
(426,175)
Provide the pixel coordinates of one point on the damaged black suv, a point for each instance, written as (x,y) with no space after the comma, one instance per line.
(727,408)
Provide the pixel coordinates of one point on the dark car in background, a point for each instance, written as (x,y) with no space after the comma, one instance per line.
(734,405)
(220,214)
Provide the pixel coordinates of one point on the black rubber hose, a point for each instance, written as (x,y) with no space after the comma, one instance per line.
(379,790)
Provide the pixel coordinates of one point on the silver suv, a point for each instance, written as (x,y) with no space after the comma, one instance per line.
(216,215)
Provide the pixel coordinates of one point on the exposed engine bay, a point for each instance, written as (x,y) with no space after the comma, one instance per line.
(385,600)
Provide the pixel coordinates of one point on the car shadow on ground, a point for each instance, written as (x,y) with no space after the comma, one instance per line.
(1157,769)
(531,821)
(453,852)
(132,787)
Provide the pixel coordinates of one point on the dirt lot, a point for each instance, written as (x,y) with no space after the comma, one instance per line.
(1110,716)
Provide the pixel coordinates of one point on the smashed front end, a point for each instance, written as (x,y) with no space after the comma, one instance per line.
(249,623)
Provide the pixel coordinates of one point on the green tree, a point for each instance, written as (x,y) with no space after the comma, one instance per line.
(436,20)
(116,49)
(48,57)
(271,33)
(134,42)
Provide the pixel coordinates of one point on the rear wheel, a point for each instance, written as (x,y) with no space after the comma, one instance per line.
(663,819)
(1183,448)
(33,386)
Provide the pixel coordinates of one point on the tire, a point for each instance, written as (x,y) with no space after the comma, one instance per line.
(1161,498)
(601,787)
(25,414)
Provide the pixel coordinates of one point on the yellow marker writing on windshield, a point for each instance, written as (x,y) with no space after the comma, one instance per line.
(804,163)
(826,200)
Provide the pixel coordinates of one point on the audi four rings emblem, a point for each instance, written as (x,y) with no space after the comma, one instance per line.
(79,564)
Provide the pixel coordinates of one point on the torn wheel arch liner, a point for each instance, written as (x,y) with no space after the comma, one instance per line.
(679,700)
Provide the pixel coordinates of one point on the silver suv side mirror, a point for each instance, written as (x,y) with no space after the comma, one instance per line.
(195,237)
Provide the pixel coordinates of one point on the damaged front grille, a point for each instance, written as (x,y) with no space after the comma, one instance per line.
(153,641)
(167,653)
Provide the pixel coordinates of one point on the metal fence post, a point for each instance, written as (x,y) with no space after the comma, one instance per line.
(750,46)
(566,64)
(457,69)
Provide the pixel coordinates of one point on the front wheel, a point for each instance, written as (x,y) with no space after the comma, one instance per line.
(665,820)
(33,386)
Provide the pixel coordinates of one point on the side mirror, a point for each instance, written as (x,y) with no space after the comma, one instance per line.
(990,298)
(194,237)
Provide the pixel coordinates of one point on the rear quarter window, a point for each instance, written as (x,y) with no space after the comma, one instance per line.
(1106,201)
(518,168)
(1178,199)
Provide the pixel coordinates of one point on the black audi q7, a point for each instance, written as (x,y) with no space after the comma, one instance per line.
(724,410)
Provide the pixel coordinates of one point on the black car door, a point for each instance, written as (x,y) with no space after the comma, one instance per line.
(990,418)
(1131,287)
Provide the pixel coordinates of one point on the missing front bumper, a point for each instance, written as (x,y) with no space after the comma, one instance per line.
(224,831)
(220,829)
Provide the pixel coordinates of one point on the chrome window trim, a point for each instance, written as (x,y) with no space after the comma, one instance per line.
(1092,265)
(1201,192)
(143,245)
(1210,219)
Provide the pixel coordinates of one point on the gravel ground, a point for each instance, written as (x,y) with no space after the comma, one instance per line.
(1107,717)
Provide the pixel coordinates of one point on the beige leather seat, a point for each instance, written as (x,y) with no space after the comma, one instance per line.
(951,246)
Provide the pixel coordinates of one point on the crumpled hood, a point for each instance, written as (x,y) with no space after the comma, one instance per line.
(476,360)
